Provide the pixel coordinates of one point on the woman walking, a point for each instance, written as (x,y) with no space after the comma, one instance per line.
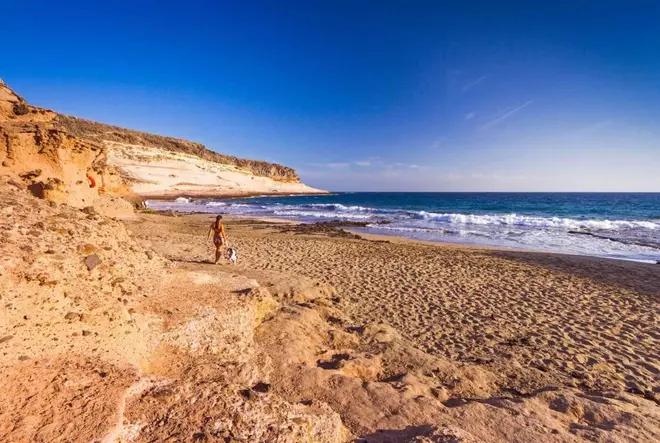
(217,230)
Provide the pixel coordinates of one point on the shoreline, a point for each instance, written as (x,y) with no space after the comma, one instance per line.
(607,233)
(403,239)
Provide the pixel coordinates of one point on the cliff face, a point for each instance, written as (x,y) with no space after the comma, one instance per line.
(72,160)
(41,155)
(89,130)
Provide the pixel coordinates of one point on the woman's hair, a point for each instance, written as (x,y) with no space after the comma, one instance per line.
(219,217)
(217,221)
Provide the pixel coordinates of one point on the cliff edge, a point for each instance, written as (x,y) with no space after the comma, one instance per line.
(73,160)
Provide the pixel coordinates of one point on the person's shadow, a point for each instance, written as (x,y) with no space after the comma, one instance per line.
(199,262)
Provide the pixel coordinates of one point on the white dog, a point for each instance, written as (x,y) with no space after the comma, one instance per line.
(231,256)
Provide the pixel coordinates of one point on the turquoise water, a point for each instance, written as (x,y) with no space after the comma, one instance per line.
(615,225)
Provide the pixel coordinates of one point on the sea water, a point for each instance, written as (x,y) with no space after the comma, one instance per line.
(614,225)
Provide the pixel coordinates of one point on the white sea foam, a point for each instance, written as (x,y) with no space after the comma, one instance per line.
(543,222)
(340,211)
(320,214)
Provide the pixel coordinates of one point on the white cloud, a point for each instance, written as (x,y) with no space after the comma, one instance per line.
(470,115)
(363,163)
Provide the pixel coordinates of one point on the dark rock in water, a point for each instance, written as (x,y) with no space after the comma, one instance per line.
(92,261)
(648,244)
(330,228)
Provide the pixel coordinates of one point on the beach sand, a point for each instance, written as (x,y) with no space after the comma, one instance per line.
(125,331)
(538,319)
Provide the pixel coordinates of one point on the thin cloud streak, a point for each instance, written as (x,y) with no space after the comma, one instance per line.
(472,84)
(503,117)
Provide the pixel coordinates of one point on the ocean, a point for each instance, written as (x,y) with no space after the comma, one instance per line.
(613,225)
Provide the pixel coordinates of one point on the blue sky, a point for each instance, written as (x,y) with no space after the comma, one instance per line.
(366,95)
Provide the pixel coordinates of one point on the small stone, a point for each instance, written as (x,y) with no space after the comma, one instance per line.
(15,183)
(515,364)
(92,261)
(248,394)
(23,358)
(52,204)
(6,338)
(72,316)
(89,210)
(26,317)
(261,387)
(440,393)
(87,249)
(85,333)
(150,255)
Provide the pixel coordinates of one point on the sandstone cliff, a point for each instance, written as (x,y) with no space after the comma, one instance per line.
(67,159)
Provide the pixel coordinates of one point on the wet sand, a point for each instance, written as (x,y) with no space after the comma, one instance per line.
(542,319)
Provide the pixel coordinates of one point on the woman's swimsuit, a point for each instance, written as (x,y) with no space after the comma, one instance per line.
(217,236)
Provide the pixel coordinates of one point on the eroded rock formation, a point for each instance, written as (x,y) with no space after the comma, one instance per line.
(72,160)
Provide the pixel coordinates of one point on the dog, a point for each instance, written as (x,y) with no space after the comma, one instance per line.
(231,256)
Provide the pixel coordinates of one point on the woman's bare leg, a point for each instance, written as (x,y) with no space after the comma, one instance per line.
(218,252)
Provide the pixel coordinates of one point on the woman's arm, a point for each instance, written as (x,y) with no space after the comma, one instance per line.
(223,234)
(211,230)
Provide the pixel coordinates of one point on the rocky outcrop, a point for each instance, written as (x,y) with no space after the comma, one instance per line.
(72,160)
(53,164)
(131,348)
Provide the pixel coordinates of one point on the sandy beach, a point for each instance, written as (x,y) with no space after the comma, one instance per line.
(124,331)
(539,319)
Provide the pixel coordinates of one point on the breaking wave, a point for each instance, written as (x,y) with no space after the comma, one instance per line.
(610,235)
(340,211)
